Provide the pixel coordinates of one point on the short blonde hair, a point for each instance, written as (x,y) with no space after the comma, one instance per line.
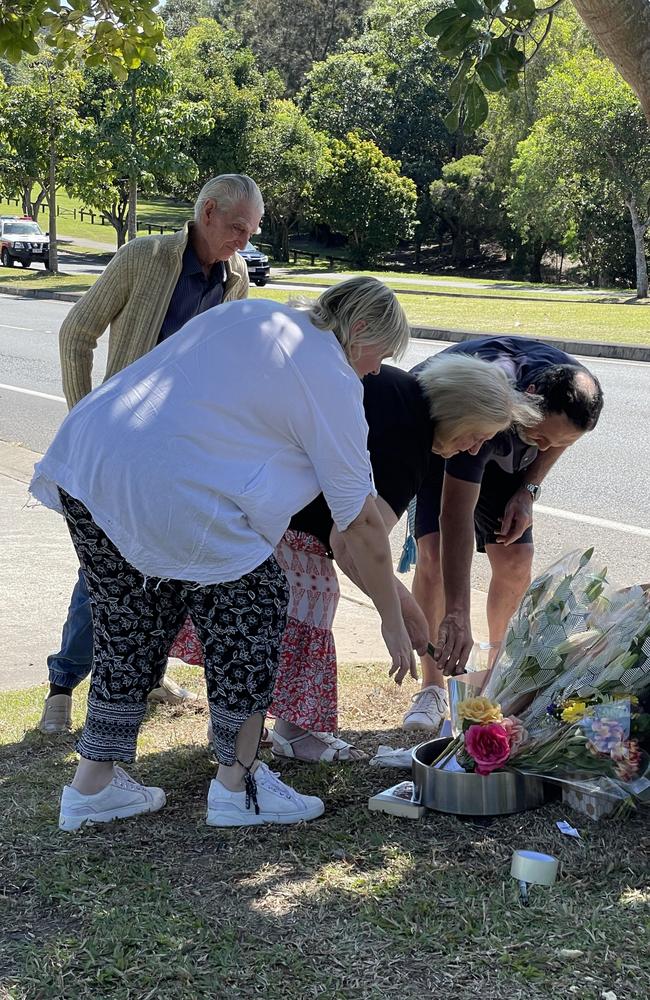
(467,395)
(369,303)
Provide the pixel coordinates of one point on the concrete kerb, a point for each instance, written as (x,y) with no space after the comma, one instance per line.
(586,348)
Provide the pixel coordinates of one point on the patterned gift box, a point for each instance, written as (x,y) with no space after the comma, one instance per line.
(595,805)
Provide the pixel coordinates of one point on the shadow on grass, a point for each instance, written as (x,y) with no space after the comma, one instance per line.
(354,905)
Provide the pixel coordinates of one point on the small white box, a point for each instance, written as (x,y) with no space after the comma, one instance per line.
(397,801)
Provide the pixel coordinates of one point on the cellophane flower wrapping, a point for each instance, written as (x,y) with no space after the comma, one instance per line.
(575,662)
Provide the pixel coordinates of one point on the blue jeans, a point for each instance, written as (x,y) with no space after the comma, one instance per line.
(74,661)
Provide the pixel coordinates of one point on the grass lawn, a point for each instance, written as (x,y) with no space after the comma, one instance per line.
(354,905)
(408,279)
(619,324)
(160,211)
(40,279)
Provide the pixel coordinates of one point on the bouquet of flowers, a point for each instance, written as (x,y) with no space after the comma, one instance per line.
(563,699)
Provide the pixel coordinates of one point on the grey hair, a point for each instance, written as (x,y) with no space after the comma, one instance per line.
(467,395)
(226,190)
(383,322)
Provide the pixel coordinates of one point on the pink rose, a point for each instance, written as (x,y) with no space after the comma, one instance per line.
(517,735)
(488,745)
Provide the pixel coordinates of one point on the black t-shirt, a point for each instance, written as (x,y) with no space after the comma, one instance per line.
(400,433)
(523,360)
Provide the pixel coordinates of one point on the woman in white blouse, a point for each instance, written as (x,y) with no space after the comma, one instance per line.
(177,479)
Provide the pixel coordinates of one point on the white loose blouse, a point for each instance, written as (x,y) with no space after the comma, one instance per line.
(194,458)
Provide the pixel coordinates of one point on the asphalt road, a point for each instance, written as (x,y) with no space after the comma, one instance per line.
(599,494)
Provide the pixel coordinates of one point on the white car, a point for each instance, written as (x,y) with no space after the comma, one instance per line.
(22,239)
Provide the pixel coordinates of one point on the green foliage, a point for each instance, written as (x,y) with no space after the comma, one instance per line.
(118,34)
(288,159)
(494,40)
(365,198)
(33,114)
(216,72)
(592,136)
(134,133)
(467,202)
(289,37)
(346,93)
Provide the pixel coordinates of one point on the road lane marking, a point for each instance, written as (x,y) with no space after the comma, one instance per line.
(566,515)
(598,522)
(32,392)
(5,326)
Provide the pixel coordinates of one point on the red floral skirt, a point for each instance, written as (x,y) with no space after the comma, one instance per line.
(305,687)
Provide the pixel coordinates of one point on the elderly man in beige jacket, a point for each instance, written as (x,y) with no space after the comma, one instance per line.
(150,289)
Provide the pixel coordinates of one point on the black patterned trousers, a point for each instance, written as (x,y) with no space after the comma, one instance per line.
(135,621)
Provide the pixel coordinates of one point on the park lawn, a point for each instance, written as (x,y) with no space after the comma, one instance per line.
(616,324)
(354,906)
(158,211)
(36,278)
(446,285)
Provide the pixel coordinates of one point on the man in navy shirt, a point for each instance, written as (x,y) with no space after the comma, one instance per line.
(488,494)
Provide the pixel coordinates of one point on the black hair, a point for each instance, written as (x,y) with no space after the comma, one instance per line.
(563,392)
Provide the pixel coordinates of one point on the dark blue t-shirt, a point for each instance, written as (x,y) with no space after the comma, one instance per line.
(522,359)
(193,294)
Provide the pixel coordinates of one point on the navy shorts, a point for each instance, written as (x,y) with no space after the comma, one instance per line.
(497,487)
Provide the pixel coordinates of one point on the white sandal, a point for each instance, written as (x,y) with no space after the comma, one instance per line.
(336,751)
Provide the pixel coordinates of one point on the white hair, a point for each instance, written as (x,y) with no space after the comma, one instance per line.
(368,304)
(226,190)
(467,395)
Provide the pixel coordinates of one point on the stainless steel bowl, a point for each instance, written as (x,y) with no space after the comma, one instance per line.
(496,794)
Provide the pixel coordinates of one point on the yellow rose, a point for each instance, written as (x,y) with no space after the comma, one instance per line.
(480,710)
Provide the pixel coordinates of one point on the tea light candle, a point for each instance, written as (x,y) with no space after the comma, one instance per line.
(534,868)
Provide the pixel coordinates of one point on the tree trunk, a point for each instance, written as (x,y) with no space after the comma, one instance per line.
(458,249)
(36,205)
(284,239)
(622,29)
(133,208)
(53,259)
(537,251)
(133,177)
(639,229)
(27,199)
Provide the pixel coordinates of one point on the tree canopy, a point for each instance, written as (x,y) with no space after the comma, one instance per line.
(119,34)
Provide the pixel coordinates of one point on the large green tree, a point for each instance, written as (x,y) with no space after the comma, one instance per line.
(40,129)
(366,198)
(288,159)
(289,37)
(592,133)
(136,135)
(217,72)
(389,85)
(466,201)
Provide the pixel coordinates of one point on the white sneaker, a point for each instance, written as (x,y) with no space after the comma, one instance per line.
(123,797)
(277,803)
(428,710)
(169,692)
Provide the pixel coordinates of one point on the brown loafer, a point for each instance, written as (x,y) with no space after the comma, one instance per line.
(57,715)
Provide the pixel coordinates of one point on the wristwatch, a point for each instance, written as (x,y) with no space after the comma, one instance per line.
(534,490)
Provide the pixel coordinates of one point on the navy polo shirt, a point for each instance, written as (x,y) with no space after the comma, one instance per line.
(193,294)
